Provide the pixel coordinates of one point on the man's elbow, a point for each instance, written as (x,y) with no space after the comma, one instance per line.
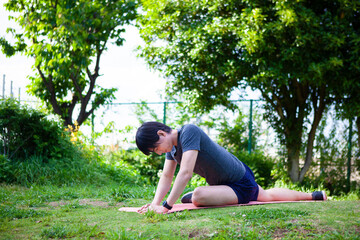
(167,176)
(186,175)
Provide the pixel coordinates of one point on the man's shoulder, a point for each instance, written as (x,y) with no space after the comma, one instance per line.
(190,129)
(190,137)
(190,126)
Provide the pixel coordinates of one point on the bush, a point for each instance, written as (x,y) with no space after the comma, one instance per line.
(26,132)
(330,169)
(86,168)
(36,150)
(120,171)
(6,169)
(147,166)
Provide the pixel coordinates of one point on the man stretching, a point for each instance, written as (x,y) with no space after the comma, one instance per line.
(230,180)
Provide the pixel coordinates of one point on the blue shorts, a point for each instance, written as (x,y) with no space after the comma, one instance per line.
(246,189)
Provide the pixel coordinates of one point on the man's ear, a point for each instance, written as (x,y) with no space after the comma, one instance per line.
(161,133)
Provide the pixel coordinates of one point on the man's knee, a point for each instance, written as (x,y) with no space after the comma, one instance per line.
(266,195)
(199,197)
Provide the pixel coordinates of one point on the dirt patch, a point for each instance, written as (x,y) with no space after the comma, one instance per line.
(279,233)
(58,204)
(91,202)
(197,233)
(94,203)
(302,231)
(194,233)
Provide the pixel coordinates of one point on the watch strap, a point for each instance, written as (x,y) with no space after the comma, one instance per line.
(166,205)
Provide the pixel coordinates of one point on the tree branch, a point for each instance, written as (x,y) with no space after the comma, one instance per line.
(17,149)
(50,86)
(76,84)
(278,106)
(93,77)
(70,109)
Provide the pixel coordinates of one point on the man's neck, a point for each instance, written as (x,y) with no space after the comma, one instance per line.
(174,136)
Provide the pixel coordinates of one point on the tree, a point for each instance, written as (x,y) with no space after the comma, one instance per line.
(348,93)
(67,39)
(347,104)
(292,51)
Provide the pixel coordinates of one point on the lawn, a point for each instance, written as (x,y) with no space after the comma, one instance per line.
(89,212)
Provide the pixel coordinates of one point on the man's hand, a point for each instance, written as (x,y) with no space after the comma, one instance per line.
(144,208)
(152,207)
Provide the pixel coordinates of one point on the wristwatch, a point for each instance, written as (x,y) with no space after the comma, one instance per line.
(166,205)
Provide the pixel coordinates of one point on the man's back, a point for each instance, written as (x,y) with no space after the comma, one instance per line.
(214,163)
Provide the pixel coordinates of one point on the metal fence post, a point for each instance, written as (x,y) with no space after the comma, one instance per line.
(11,90)
(250,128)
(92,128)
(164,117)
(349,155)
(4,86)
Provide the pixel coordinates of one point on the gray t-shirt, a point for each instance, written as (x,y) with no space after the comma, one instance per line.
(214,163)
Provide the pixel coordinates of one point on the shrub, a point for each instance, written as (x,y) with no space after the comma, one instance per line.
(36,150)
(6,170)
(26,132)
(331,166)
(147,166)
(120,171)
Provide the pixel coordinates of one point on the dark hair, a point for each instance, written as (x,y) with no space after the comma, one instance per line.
(147,136)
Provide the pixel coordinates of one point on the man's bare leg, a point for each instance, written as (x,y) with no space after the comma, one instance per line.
(214,196)
(282,194)
(224,195)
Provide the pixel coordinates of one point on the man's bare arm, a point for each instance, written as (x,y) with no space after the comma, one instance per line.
(185,173)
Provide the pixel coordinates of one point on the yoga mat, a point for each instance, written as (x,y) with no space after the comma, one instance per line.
(190,206)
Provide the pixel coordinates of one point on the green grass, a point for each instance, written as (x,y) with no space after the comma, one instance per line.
(89,212)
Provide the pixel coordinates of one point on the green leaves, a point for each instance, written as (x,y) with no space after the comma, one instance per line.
(105,96)
(199,48)
(25,132)
(294,52)
(66,38)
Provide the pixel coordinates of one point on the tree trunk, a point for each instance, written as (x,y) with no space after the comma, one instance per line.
(290,105)
(68,121)
(319,107)
(293,162)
